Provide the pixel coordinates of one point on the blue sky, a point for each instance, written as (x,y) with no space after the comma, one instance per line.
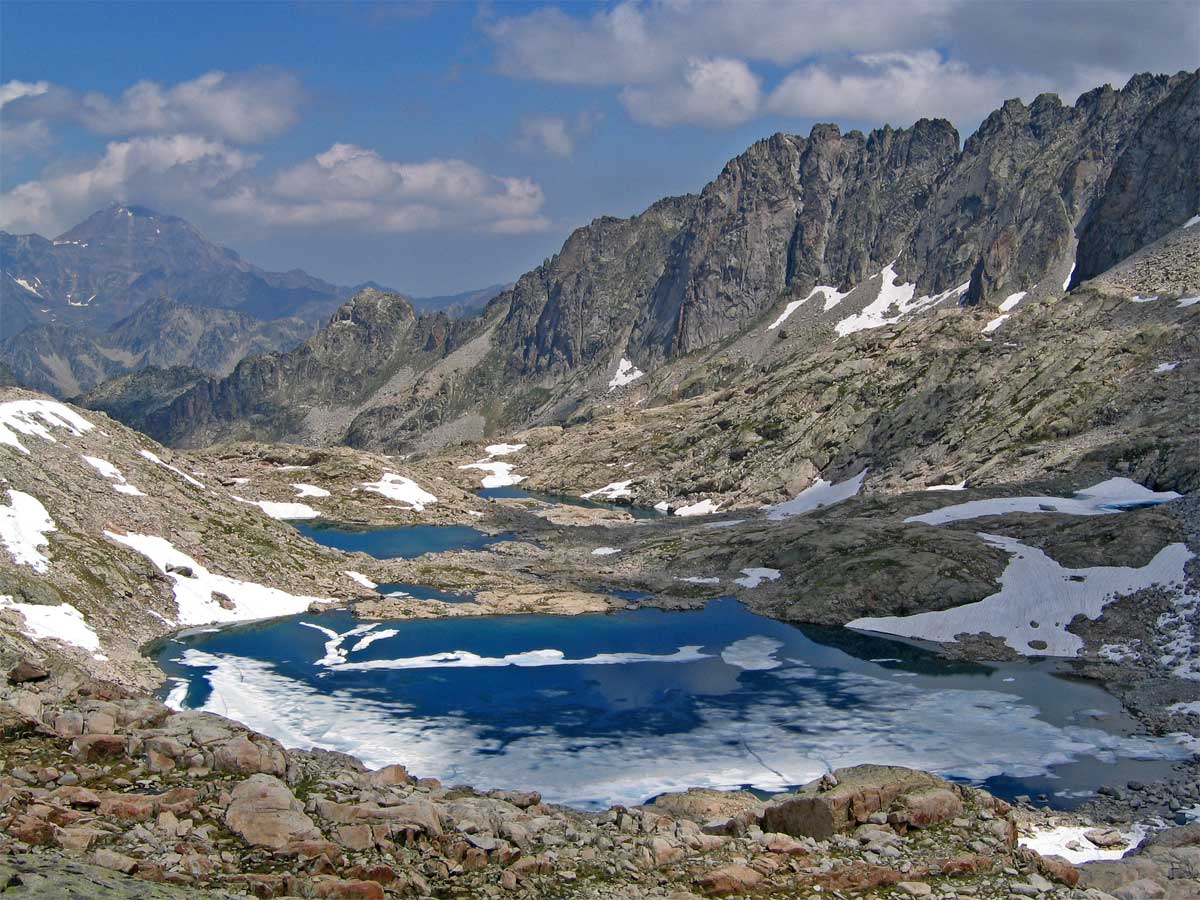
(440,147)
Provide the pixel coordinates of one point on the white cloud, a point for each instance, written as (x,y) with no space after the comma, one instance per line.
(867,60)
(546,134)
(901,87)
(353,185)
(243,107)
(170,168)
(714,92)
(345,185)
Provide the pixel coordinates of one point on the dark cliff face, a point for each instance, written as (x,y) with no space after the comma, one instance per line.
(1118,169)
(1154,185)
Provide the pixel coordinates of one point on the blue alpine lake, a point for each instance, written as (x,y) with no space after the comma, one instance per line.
(617,708)
(404,542)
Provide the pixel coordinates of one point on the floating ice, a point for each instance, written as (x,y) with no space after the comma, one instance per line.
(754,654)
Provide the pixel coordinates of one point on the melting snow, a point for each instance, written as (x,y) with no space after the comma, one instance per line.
(627,373)
(24,525)
(752,578)
(614,491)
(696,579)
(363,580)
(500,474)
(194,593)
(1194,220)
(819,493)
(502,449)
(832,299)
(702,508)
(1183,709)
(1037,599)
(1069,842)
(995,323)
(184,475)
(1138,298)
(1067,280)
(402,490)
(1011,301)
(63,622)
(465,659)
(605,551)
(281,510)
(309,490)
(1110,496)
(961,486)
(662,506)
(893,295)
(34,418)
(1165,367)
(111,472)
(1189,301)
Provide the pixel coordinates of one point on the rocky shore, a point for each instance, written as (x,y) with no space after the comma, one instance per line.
(98,782)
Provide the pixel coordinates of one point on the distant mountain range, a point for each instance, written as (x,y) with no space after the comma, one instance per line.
(841,232)
(130,287)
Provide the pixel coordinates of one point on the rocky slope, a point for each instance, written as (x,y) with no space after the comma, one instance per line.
(67,361)
(873,227)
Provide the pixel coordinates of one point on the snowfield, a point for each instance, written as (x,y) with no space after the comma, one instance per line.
(24,526)
(112,473)
(627,373)
(819,493)
(402,490)
(702,508)
(154,458)
(63,623)
(35,418)
(499,474)
(194,593)
(1037,599)
(614,491)
(1107,497)
(285,511)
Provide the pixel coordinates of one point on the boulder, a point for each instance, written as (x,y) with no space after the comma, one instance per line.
(731,879)
(266,813)
(819,811)
(26,671)
(245,756)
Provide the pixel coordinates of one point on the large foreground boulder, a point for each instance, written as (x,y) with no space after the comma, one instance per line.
(849,797)
(266,814)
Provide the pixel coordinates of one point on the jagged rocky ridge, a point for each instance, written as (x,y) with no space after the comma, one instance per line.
(902,218)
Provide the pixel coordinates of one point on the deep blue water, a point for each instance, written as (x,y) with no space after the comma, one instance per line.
(405,542)
(638,512)
(656,701)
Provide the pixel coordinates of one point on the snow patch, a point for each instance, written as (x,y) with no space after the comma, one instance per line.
(35,418)
(194,594)
(24,524)
(1011,301)
(1138,298)
(310,490)
(1165,367)
(961,486)
(154,458)
(697,579)
(627,373)
(605,551)
(362,579)
(283,511)
(1105,498)
(63,622)
(1194,220)
(500,474)
(1188,301)
(28,286)
(111,472)
(1070,842)
(614,491)
(702,508)
(832,299)
(752,578)
(502,449)
(1185,709)
(402,490)
(893,295)
(1067,280)
(819,493)
(995,323)
(1037,599)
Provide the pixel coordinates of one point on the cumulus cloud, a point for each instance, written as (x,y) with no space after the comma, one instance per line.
(846,57)
(714,92)
(546,134)
(346,185)
(244,107)
(353,185)
(900,88)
